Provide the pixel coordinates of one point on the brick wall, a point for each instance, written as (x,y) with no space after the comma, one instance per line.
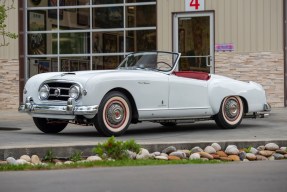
(265,68)
(9,82)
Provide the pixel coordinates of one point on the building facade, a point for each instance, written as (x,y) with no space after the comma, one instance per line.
(241,39)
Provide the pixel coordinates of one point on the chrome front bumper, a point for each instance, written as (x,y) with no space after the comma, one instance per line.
(69,109)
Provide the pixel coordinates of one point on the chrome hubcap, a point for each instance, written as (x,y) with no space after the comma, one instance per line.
(115,114)
(232,109)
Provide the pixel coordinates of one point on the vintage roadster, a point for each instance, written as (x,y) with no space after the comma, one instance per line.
(145,87)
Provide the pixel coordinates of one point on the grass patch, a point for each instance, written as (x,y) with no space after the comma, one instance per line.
(118,163)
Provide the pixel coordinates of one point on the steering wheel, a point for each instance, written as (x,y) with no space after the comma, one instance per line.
(165,63)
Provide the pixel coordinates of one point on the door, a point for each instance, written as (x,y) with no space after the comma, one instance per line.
(193,37)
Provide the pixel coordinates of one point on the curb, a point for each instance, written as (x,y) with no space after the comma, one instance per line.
(67,151)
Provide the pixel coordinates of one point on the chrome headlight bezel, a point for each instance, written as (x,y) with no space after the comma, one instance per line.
(75,92)
(44,92)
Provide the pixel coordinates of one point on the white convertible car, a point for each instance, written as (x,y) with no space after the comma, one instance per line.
(145,87)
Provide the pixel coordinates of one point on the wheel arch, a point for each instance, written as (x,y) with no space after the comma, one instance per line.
(245,104)
(135,114)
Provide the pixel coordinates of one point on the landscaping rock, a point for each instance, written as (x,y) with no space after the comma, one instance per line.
(225,159)
(281,151)
(156,153)
(215,156)
(164,154)
(94,158)
(35,160)
(179,154)
(251,156)
(285,156)
(221,154)
(68,162)
(231,150)
(143,154)
(187,152)
(3,162)
(169,150)
(205,155)
(59,163)
(209,150)
(216,146)
(194,156)
(242,155)
(11,161)
(261,148)
(161,158)
(131,154)
(26,158)
(21,162)
(266,153)
(261,158)
(278,156)
(271,158)
(171,157)
(283,148)
(196,150)
(271,147)
(254,151)
(234,157)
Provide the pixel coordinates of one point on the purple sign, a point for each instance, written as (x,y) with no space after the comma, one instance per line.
(224,47)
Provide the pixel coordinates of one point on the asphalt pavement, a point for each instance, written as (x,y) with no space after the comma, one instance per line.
(263,176)
(19,135)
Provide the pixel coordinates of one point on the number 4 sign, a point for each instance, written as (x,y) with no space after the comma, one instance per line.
(194,5)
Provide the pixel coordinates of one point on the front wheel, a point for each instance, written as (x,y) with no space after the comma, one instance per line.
(47,126)
(230,113)
(114,115)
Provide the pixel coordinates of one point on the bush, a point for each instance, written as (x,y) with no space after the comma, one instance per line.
(116,149)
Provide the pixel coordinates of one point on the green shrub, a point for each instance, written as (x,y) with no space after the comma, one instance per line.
(76,156)
(116,149)
(49,156)
(247,150)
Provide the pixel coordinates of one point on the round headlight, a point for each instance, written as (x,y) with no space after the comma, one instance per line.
(44,92)
(74,92)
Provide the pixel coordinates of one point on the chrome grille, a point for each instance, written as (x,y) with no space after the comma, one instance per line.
(59,90)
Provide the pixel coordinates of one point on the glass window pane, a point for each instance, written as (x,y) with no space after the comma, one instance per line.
(70,3)
(74,64)
(139,1)
(40,44)
(76,19)
(108,17)
(111,62)
(41,65)
(74,43)
(83,2)
(109,42)
(141,16)
(144,40)
(37,3)
(36,20)
(97,2)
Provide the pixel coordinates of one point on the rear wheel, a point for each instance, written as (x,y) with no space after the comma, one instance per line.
(114,115)
(230,113)
(47,126)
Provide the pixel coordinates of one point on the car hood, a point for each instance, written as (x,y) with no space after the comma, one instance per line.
(84,76)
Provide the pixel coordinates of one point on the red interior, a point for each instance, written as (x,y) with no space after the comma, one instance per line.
(193,75)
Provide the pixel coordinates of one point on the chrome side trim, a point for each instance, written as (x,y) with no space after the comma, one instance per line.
(70,109)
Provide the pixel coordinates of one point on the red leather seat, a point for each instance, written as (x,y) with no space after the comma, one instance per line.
(193,74)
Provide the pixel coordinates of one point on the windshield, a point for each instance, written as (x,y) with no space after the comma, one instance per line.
(159,61)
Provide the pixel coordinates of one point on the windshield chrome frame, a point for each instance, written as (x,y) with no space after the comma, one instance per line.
(175,63)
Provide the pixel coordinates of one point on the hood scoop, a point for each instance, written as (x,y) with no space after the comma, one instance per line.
(69,73)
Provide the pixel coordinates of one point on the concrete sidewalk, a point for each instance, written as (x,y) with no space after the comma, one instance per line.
(19,135)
